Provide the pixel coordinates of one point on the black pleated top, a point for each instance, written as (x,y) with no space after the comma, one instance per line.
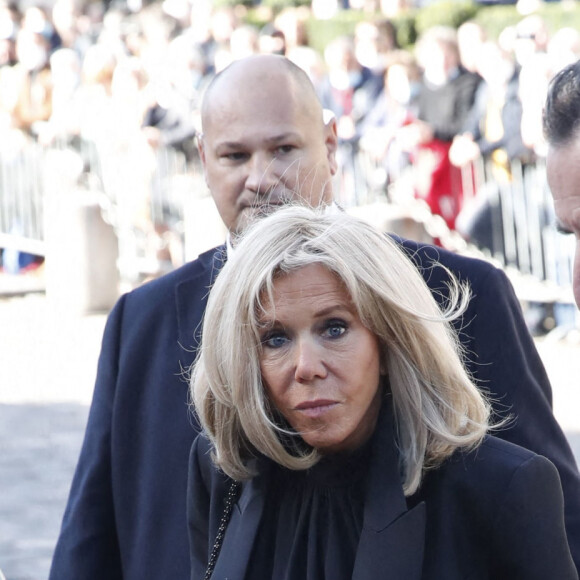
(312,521)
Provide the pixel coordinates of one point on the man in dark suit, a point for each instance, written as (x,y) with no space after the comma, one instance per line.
(265,143)
(562,130)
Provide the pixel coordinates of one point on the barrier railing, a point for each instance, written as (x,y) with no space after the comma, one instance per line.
(145,198)
(507,218)
(521,231)
(21,198)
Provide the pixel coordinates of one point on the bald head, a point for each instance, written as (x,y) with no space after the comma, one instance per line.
(260,77)
(264,140)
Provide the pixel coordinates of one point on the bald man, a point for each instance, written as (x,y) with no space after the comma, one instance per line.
(264,143)
(562,131)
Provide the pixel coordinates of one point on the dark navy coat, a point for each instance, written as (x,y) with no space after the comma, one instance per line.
(495,513)
(126,514)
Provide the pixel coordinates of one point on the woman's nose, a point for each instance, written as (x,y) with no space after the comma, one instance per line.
(309,363)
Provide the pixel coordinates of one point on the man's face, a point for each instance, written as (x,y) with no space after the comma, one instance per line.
(563,173)
(262,148)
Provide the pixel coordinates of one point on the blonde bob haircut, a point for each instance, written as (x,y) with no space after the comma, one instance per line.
(436,406)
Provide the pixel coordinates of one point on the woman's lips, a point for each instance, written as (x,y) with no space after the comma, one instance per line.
(316,408)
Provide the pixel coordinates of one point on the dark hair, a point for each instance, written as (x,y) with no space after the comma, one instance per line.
(388,29)
(561,116)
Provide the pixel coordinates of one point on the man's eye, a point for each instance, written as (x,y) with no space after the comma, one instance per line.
(284,149)
(274,340)
(562,229)
(335,329)
(235,156)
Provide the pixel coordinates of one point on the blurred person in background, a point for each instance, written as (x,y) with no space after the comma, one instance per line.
(271,40)
(374,41)
(531,37)
(311,62)
(446,95)
(170,116)
(396,106)
(470,38)
(73,25)
(9,25)
(244,42)
(563,49)
(293,24)
(31,84)
(26,87)
(492,133)
(529,43)
(222,23)
(349,90)
(37,19)
(65,66)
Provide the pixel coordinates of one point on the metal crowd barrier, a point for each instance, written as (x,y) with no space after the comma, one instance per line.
(517,232)
(21,199)
(140,201)
(522,235)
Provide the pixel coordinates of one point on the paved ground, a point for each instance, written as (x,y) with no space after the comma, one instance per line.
(47,368)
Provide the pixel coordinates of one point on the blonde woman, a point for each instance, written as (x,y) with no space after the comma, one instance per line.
(342,436)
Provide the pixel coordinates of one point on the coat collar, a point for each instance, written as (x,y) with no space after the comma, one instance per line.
(191,296)
(392,538)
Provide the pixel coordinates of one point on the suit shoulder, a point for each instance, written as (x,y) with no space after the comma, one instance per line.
(166,284)
(434,263)
(505,451)
(428,255)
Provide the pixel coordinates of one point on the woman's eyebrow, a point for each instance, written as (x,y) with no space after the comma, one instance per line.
(331,309)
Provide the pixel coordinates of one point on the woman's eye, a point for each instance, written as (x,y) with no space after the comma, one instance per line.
(275,340)
(335,329)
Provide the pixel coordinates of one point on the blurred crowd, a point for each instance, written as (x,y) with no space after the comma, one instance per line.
(126,81)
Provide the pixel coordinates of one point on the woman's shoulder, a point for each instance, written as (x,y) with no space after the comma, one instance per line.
(496,457)
(498,499)
(479,484)
(495,468)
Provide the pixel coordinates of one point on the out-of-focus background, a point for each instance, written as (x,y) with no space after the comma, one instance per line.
(438,107)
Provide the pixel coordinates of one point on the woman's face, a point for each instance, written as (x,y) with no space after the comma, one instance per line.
(320,365)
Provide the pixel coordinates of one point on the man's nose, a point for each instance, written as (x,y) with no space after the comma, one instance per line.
(261,178)
(309,362)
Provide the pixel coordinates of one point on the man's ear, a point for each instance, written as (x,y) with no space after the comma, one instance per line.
(331,142)
(201,151)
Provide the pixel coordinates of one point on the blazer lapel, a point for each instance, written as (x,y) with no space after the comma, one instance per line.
(240,535)
(191,298)
(392,538)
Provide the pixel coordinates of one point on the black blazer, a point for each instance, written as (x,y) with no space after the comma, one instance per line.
(491,514)
(126,514)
